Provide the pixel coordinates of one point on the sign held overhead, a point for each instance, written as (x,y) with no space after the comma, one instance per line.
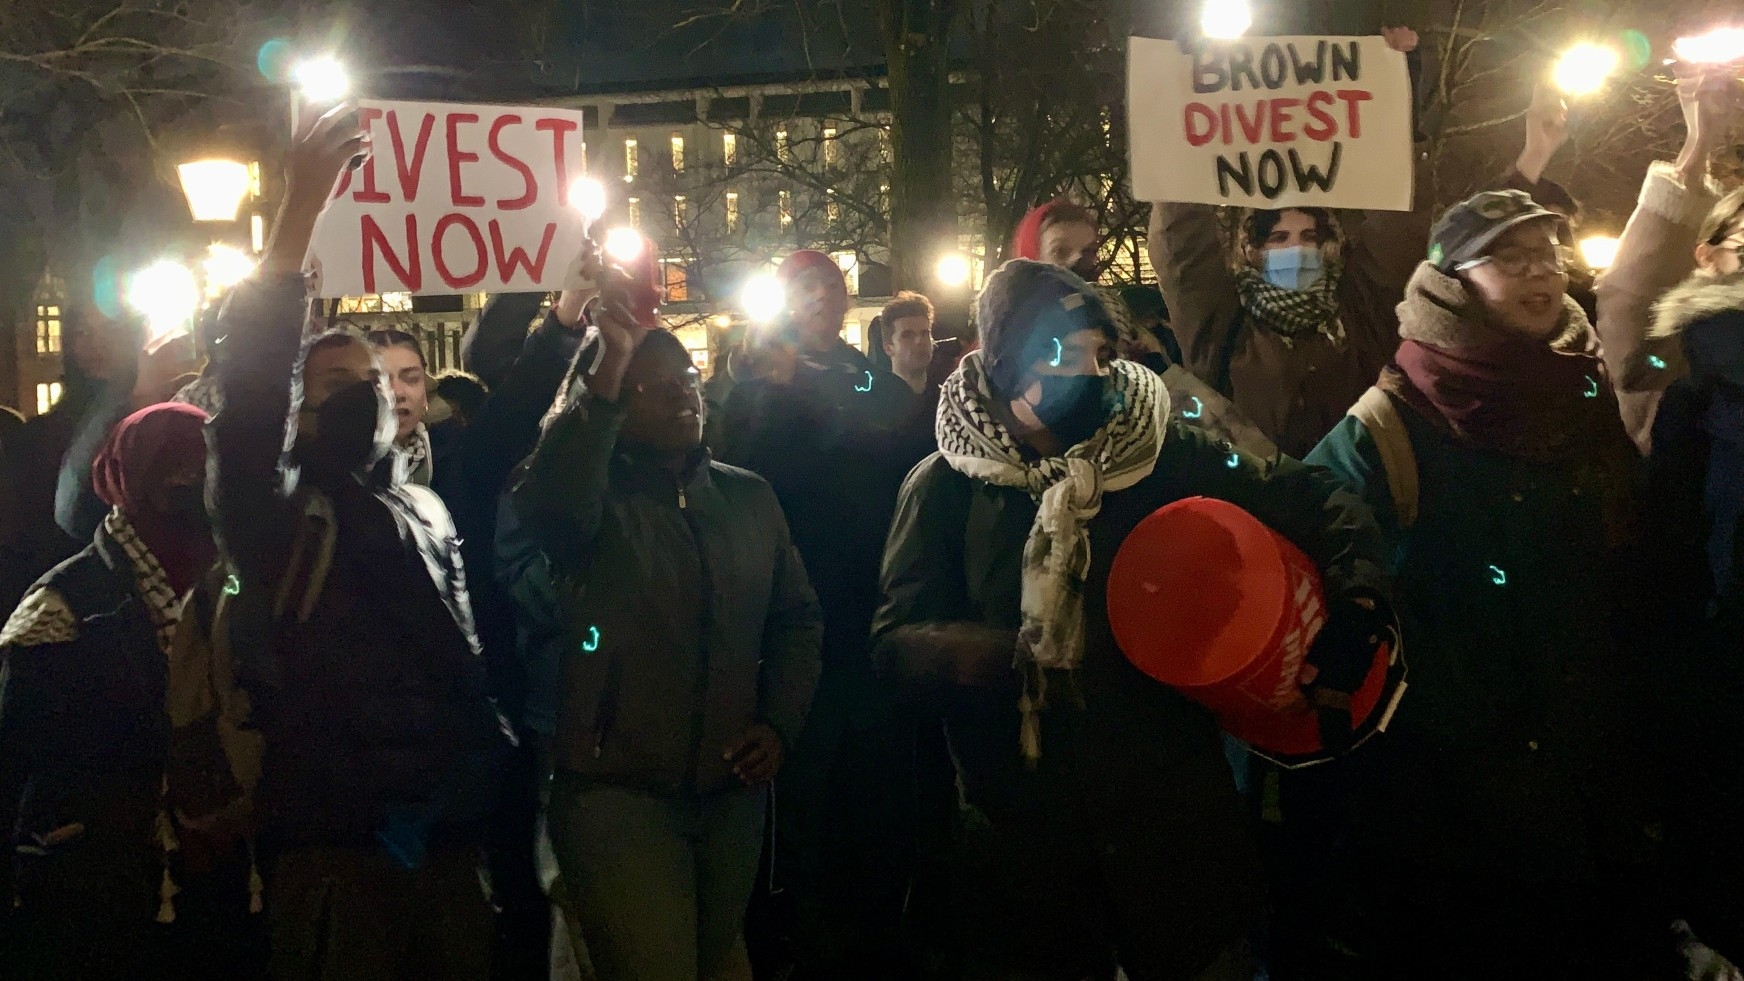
(453,199)
(1278,122)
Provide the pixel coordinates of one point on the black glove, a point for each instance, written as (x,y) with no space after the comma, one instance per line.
(1343,653)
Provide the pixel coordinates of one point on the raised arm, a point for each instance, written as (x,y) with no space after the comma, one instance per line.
(494,340)
(1198,285)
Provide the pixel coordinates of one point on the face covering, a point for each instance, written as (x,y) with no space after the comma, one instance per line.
(187,508)
(1073,407)
(1295,268)
(347,434)
(132,472)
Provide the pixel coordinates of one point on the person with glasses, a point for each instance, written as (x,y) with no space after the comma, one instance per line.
(1500,828)
(690,650)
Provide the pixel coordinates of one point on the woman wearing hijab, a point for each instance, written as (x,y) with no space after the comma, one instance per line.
(86,713)
(1501,826)
(1108,827)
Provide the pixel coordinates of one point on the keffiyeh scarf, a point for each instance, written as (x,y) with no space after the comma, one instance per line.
(1293,314)
(162,603)
(1068,490)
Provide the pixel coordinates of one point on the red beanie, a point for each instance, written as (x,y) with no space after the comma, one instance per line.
(1026,242)
(804,261)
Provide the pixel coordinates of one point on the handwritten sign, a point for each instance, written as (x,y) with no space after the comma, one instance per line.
(1271,122)
(454,199)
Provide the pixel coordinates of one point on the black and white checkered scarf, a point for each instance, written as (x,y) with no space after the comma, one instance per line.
(1068,490)
(1293,314)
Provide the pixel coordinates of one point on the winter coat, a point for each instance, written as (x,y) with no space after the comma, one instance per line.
(681,608)
(34,454)
(1134,770)
(1518,750)
(352,625)
(100,730)
(1656,252)
(1294,390)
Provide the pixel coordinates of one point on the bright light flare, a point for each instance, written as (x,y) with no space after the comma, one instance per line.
(215,189)
(1225,18)
(764,298)
(954,271)
(1584,68)
(1720,46)
(322,80)
(167,295)
(624,245)
(225,266)
(588,196)
(722,321)
(1599,251)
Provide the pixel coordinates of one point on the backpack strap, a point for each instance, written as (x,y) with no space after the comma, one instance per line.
(1376,411)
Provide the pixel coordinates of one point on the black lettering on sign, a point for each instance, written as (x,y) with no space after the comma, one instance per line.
(1271,174)
(1276,172)
(1242,178)
(1272,67)
(1209,75)
(1309,71)
(1347,61)
(1311,174)
(1241,65)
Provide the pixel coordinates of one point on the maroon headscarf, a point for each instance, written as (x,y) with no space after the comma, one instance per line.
(142,453)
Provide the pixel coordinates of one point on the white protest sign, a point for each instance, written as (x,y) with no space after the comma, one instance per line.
(1271,122)
(454,199)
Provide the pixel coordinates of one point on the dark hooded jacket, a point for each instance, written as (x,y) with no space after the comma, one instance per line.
(352,626)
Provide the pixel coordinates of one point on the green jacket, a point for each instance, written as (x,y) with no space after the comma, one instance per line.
(1519,744)
(684,613)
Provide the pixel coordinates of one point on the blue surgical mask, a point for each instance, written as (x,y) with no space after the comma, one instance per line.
(1295,268)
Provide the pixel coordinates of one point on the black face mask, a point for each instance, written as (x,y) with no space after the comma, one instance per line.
(1087,268)
(345,432)
(1073,407)
(187,508)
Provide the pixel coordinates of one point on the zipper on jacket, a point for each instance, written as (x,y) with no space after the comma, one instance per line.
(699,691)
(681,504)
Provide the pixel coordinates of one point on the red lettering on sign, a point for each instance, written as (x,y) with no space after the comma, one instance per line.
(411,172)
(526,172)
(559,128)
(456,157)
(1253,128)
(369,194)
(1281,117)
(438,250)
(411,273)
(1199,114)
(517,256)
(1354,98)
(1324,126)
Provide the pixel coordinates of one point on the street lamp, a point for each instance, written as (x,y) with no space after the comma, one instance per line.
(215,189)
(1584,68)
(1225,19)
(1599,251)
(588,196)
(166,294)
(763,297)
(321,80)
(1720,46)
(954,270)
(624,245)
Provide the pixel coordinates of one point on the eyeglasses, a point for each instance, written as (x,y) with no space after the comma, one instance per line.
(1520,263)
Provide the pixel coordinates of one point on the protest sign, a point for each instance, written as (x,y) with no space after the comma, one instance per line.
(1270,122)
(454,199)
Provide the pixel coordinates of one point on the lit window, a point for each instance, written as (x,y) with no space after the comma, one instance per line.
(48,329)
(254,179)
(884,199)
(729,148)
(786,208)
(849,264)
(257,232)
(584,156)
(396,303)
(677,279)
(732,211)
(781,145)
(630,164)
(832,149)
(635,212)
(678,152)
(832,209)
(680,210)
(47,394)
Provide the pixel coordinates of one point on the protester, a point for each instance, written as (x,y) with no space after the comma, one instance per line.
(1677,235)
(908,338)
(402,360)
(1502,825)
(1106,825)
(461,394)
(98,349)
(693,651)
(352,634)
(125,863)
(1304,322)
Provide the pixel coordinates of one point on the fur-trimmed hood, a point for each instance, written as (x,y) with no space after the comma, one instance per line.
(1697,298)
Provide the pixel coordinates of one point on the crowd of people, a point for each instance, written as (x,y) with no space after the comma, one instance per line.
(572,666)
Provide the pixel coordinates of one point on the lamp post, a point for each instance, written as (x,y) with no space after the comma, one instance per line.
(215,189)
